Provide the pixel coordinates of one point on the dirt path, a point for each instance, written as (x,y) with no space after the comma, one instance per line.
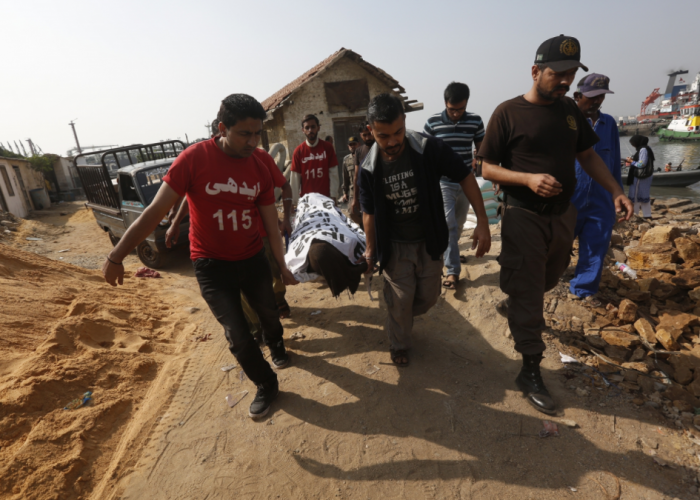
(350,425)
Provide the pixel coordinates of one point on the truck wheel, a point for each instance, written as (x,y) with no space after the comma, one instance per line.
(150,257)
(113,239)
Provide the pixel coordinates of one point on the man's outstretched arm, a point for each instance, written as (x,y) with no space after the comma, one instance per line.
(482,233)
(113,269)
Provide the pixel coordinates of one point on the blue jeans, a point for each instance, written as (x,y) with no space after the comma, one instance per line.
(456,207)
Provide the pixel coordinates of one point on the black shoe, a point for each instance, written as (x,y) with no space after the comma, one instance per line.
(267,392)
(279,355)
(530,382)
(502,307)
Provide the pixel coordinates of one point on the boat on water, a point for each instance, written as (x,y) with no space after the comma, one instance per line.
(683,129)
(681,178)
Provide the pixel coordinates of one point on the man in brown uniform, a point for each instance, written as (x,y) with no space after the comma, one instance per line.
(536,139)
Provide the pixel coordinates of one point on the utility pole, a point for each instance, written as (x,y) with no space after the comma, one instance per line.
(188,139)
(24,151)
(31,147)
(72,125)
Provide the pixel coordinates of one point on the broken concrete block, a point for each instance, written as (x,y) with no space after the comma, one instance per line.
(682,366)
(688,250)
(660,234)
(617,353)
(616,240)
(639,354)
(596,341)
(687,279)
(627,311)
(620,338)
(667,337)
(694,386)
(678,320)
(619,255)
(638,296)
(645,330)
(651,255)
(648,284)
(640,367)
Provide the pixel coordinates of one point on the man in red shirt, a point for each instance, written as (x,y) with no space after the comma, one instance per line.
(230,195)
(314,164)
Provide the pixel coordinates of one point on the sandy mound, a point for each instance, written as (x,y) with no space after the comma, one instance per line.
(63,331)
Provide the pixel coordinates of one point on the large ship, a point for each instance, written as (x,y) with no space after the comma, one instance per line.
(673,116)
(686,115)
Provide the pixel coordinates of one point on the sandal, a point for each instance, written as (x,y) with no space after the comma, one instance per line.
(450,284)
(398,356)
(284,310)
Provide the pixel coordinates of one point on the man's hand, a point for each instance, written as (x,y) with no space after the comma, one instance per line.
(171,235)
(482,238)
(113,273)
(355,205)
(371,262)
(287,277)
(623,205)
(544,185)
(285,226)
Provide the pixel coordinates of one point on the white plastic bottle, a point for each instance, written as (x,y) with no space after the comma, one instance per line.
(627,270)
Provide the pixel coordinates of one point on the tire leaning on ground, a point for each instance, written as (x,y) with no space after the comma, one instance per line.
(113,239)
(149,257)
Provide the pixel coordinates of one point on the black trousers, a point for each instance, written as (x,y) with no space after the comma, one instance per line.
(221,283)
(535,252)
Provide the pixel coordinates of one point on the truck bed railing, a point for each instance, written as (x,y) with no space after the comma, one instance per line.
(96,174)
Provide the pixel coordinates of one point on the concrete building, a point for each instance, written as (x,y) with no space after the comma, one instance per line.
(22,189)
(67,178)
(337,91)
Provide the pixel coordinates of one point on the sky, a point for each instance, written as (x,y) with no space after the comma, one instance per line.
(138,72)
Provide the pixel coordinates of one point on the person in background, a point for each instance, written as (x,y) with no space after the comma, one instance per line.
(640,174)
(314,164)
(360,155)
(404,221)
(668,167)
(530,149)
(460,130)
(348,176)
(595,207)
(231,194)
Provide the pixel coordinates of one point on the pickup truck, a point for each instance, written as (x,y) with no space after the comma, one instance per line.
(120,183)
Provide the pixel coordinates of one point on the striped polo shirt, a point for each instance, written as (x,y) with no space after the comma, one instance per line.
(459,136)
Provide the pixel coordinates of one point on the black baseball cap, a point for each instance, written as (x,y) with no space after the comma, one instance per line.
(560,53)
(352,139)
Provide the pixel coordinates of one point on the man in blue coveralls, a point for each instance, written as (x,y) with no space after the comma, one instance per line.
(596,211)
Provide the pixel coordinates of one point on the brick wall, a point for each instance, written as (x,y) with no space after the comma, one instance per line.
(311,98)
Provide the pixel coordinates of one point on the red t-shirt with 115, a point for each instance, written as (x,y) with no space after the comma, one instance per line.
(223,194)
(278,179)
(313,165)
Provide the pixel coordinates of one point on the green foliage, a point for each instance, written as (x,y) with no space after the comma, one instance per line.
(9,154)
(42,163)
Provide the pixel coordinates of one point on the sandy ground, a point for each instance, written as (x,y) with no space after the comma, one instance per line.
(348,424)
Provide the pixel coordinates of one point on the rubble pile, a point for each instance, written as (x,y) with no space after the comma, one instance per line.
(643,338)
(8,224)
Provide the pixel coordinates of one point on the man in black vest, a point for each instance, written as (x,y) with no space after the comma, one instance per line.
(404,217)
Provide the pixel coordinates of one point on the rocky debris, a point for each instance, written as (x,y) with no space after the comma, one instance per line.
(644,339)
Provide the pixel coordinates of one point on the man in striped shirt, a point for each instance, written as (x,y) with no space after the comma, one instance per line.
(459,130)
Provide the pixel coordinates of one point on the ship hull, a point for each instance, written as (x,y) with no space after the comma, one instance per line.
(673,135)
